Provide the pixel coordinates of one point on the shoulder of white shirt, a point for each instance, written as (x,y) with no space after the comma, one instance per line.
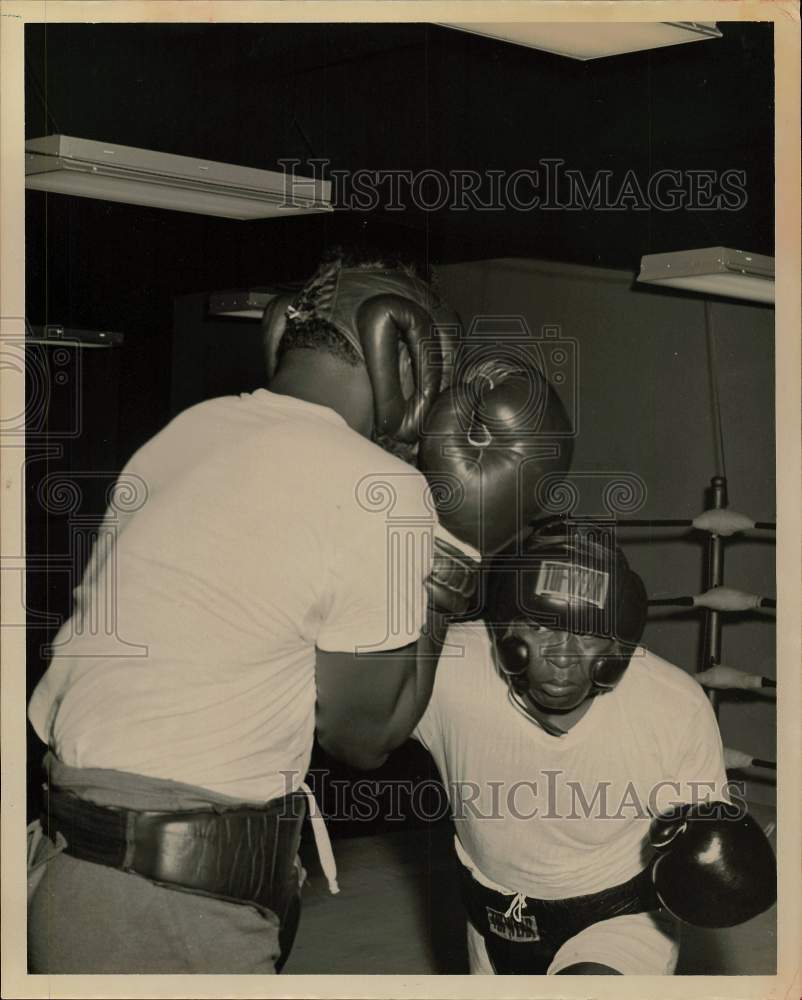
(467,650)
(649,670)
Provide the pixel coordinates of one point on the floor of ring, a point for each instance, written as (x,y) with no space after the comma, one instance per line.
(399,912)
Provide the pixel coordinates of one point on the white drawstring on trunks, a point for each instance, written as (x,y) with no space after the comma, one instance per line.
(322,840)
(517,907)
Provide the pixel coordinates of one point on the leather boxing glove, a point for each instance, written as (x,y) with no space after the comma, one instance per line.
(274,323)
(487,442)
(714,866)
(384,322)
(453,584)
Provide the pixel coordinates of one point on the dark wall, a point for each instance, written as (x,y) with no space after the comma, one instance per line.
(368,97)
(417,96)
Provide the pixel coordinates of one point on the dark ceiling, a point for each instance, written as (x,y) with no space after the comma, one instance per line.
(419,97)
(375,97)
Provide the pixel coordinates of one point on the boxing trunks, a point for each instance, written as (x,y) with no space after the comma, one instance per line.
(522,935)
(242,855)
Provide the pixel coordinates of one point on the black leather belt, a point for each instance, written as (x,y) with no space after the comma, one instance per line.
(241,855)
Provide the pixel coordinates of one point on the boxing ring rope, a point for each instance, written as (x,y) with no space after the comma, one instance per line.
(716,600)
(725,678)
(721,521)
(737,758)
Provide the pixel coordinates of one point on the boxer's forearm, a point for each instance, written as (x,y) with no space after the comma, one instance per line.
(369,704)
(412,700)
(377,701)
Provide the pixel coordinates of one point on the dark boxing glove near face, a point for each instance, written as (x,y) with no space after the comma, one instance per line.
(382,320)
(493,436)
(715,866)
(453,584)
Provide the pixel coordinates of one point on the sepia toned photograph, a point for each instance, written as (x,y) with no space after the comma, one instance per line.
(400,446)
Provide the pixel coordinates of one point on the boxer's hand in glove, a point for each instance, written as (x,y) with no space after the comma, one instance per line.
(453,584)
(489,441)
(715,868)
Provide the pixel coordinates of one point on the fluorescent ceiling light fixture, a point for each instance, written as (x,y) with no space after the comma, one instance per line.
(247,304)
(89,169)
(61,336)
(592,39)
(721,271)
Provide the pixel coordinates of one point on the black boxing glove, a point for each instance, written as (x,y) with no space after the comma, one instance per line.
(383,322)
(453,584)
(274,323)
(714,867)
(487,442)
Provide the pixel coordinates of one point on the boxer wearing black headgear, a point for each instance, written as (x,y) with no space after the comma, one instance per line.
(586,827)
(566,615)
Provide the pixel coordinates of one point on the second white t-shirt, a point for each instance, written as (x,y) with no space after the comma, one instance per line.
(555,817)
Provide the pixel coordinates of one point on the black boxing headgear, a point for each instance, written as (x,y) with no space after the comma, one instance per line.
(571,577)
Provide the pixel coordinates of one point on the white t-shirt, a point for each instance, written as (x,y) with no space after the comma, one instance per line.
(555,817)
(270,528)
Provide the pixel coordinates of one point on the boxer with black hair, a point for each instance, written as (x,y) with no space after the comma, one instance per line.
(586,775)
(255,601)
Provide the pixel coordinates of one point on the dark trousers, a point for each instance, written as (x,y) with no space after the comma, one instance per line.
(85,918)
(109,892)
